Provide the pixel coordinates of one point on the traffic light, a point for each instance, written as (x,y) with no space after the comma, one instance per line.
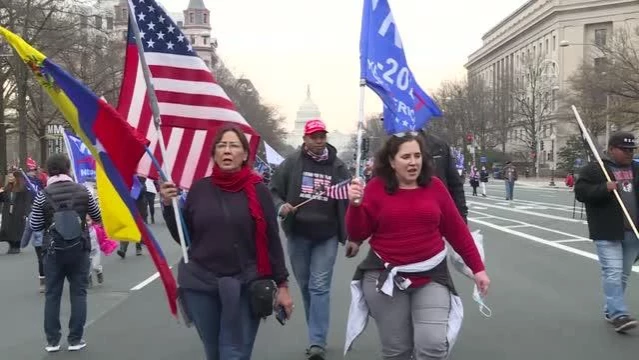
(541,145)
(365,145)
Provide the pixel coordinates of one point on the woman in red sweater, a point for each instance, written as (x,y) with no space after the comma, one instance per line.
(404,282)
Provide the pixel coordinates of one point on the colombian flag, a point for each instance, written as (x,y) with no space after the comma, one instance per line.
(115,145)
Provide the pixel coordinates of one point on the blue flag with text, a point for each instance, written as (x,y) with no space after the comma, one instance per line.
(383,66)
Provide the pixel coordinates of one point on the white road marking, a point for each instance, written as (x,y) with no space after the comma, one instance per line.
(571,240)
(516,226)
(548,216)
(567,235)
(147,281)
(539,240)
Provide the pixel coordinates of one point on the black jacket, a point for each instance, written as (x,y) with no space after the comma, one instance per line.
(605,217)
(446,170)
(286,183)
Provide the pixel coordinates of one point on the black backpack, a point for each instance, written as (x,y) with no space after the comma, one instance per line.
(67,226)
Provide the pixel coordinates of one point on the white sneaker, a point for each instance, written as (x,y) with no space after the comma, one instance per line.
(52,348)
(78,346)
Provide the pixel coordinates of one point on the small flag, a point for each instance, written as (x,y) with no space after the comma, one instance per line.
(338,191)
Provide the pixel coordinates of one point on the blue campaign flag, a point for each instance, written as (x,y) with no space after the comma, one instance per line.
(384,68)
(81,158)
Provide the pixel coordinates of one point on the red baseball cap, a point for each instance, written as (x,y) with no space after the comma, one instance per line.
(313,126)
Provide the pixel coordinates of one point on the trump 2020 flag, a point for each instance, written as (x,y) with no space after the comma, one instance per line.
(81,159)
(383,66)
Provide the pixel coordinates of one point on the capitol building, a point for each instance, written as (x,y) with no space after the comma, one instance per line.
(308,111)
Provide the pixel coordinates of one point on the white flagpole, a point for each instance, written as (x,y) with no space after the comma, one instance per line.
(157,121)
(360,128)
(593,148)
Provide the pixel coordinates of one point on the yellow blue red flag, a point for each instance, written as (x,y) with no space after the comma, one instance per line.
(115,145)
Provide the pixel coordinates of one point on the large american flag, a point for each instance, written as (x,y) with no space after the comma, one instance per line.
(192,104)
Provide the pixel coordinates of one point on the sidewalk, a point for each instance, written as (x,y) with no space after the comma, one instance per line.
(542,182)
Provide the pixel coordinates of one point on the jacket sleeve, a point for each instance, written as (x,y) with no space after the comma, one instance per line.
(455,185)
(275,249)
(169,217)
(278,185)
(591,185)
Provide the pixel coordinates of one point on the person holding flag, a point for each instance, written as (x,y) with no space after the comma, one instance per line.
(315,229)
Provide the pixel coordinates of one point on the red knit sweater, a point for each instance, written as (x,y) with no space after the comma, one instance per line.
(408,226)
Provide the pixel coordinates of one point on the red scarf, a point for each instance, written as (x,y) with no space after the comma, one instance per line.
(245,180)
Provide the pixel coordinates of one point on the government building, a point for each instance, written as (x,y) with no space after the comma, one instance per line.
(561,34)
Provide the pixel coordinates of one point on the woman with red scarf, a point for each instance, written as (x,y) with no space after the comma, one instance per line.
(236,263)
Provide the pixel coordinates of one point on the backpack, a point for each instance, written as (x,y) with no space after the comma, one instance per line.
(67,226)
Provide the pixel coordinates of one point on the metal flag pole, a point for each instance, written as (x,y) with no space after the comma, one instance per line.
(591,144)
(153,101)
(360,133)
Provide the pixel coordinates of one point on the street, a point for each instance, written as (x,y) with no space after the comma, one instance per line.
(546,297)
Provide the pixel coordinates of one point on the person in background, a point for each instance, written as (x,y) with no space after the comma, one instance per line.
(474,179)
(95,254)
(315,229)
(235,257)
(150,191)
(438,151)
(66,255)
(616,244)
(406,212)
(483,179)
(509,174)
(16,200)
(570,181)
(142,204)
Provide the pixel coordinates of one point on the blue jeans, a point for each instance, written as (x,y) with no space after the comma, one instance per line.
(72,264)
(205,310)
(312,263)
(510,189)
(616,259)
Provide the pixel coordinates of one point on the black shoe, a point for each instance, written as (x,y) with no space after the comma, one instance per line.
(607,317)
(624,323)
(100,277)
(138,251)
(122,254)
(315,353)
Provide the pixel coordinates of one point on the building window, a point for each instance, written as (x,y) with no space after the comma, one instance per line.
(205,40)
(192,40)
(204,19)
(84,22)
(600,37)
(554,42)
(124,14)
(109,23)
(547,46)
(191,18)
(600,64)
(98,22)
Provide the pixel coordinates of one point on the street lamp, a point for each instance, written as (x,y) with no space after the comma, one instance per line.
(554,78)
(553,139)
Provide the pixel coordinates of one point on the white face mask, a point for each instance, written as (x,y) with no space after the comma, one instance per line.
(483,308)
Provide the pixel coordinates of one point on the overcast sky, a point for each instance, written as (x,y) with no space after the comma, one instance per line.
(283,45)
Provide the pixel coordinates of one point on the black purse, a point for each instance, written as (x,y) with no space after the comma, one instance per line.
(262,296)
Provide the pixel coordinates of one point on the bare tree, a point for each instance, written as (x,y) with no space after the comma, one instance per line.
(533,100)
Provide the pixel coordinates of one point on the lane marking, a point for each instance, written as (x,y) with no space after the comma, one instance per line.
(516,226)
(147,281)
(539,240)
(552,206)
(571,240)
(548,216)
(544,228)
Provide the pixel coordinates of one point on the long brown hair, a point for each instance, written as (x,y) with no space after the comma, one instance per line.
(18,184)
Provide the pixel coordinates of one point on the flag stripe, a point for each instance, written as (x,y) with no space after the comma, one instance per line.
(192,105)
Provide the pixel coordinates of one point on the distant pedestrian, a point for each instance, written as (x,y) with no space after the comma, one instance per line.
(474,179)
(509,174)
(483,179)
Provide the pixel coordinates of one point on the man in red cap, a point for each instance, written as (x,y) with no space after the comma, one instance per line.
(313,229)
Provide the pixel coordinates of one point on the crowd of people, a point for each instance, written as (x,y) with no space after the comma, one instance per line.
(410,207)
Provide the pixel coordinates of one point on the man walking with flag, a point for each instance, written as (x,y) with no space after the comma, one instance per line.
(315,227)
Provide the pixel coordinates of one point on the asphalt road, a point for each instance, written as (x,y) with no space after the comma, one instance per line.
(546,298)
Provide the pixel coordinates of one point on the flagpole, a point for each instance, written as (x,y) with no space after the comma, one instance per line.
(360,131)
(153,101)
(593,148)
(65,138)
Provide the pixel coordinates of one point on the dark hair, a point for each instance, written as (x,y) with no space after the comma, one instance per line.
(383,167)
(240,135)
(58,164)
(18,184)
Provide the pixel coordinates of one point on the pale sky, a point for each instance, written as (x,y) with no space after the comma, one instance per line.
(283,45)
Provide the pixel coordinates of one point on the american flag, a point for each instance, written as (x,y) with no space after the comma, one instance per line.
(338,191)
(192,104)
